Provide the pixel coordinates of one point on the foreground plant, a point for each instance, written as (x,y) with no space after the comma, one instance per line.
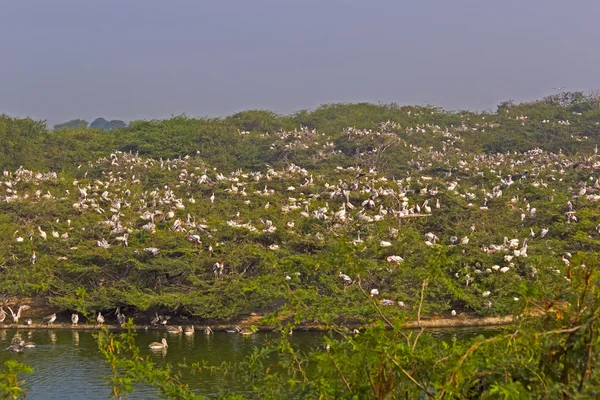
(129,367)
(10,385)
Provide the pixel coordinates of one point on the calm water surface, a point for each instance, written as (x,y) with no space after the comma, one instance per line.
(68,365)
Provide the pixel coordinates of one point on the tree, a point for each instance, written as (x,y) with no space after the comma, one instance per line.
(72,124)
(100,123)
(116,124)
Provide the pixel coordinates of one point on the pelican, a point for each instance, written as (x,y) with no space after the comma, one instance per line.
(208,331)
(18,314)
(29,345)
(121,318)
(236,329)
(100,319)
(50,319)
(189,330)
(156,345)
(16,346)
(2,315)
(245,332)
(174,330)
(74,318)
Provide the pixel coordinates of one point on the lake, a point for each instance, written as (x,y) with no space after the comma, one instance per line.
(68,365)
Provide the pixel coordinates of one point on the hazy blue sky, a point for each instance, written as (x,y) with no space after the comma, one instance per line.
(148,59)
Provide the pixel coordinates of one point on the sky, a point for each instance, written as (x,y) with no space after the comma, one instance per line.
(134,59)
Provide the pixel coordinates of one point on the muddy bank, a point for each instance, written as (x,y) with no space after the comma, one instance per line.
(430,323)
(39,308)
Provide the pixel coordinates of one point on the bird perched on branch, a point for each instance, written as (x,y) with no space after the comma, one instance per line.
(218,268)
(346,279)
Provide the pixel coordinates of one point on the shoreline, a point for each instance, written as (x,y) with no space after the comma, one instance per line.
(436,323)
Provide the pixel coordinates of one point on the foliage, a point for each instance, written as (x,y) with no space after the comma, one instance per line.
(11,387)
(488,171)
(104,125)
(128,367)
(549,355)
(72,124)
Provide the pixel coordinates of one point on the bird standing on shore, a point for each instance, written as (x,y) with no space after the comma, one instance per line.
(74,319)
(18,314)
(100,319)
(121,318)
(50,319)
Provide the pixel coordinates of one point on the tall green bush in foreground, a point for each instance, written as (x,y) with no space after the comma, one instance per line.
(11,387)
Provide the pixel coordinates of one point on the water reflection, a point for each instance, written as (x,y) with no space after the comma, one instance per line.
(67,362)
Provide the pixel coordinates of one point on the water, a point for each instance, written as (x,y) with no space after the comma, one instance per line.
(68,365)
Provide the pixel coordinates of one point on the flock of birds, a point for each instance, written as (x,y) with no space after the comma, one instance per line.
(356,202)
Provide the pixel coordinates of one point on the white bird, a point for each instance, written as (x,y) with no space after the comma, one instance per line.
(212,198)
(100,319)
(374,292)
(396,259)
(347,280)
(453,313)
(74,318)
(18,314)
(42,233)
(50,319)
(156,345)
(176,225)
(194,239)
